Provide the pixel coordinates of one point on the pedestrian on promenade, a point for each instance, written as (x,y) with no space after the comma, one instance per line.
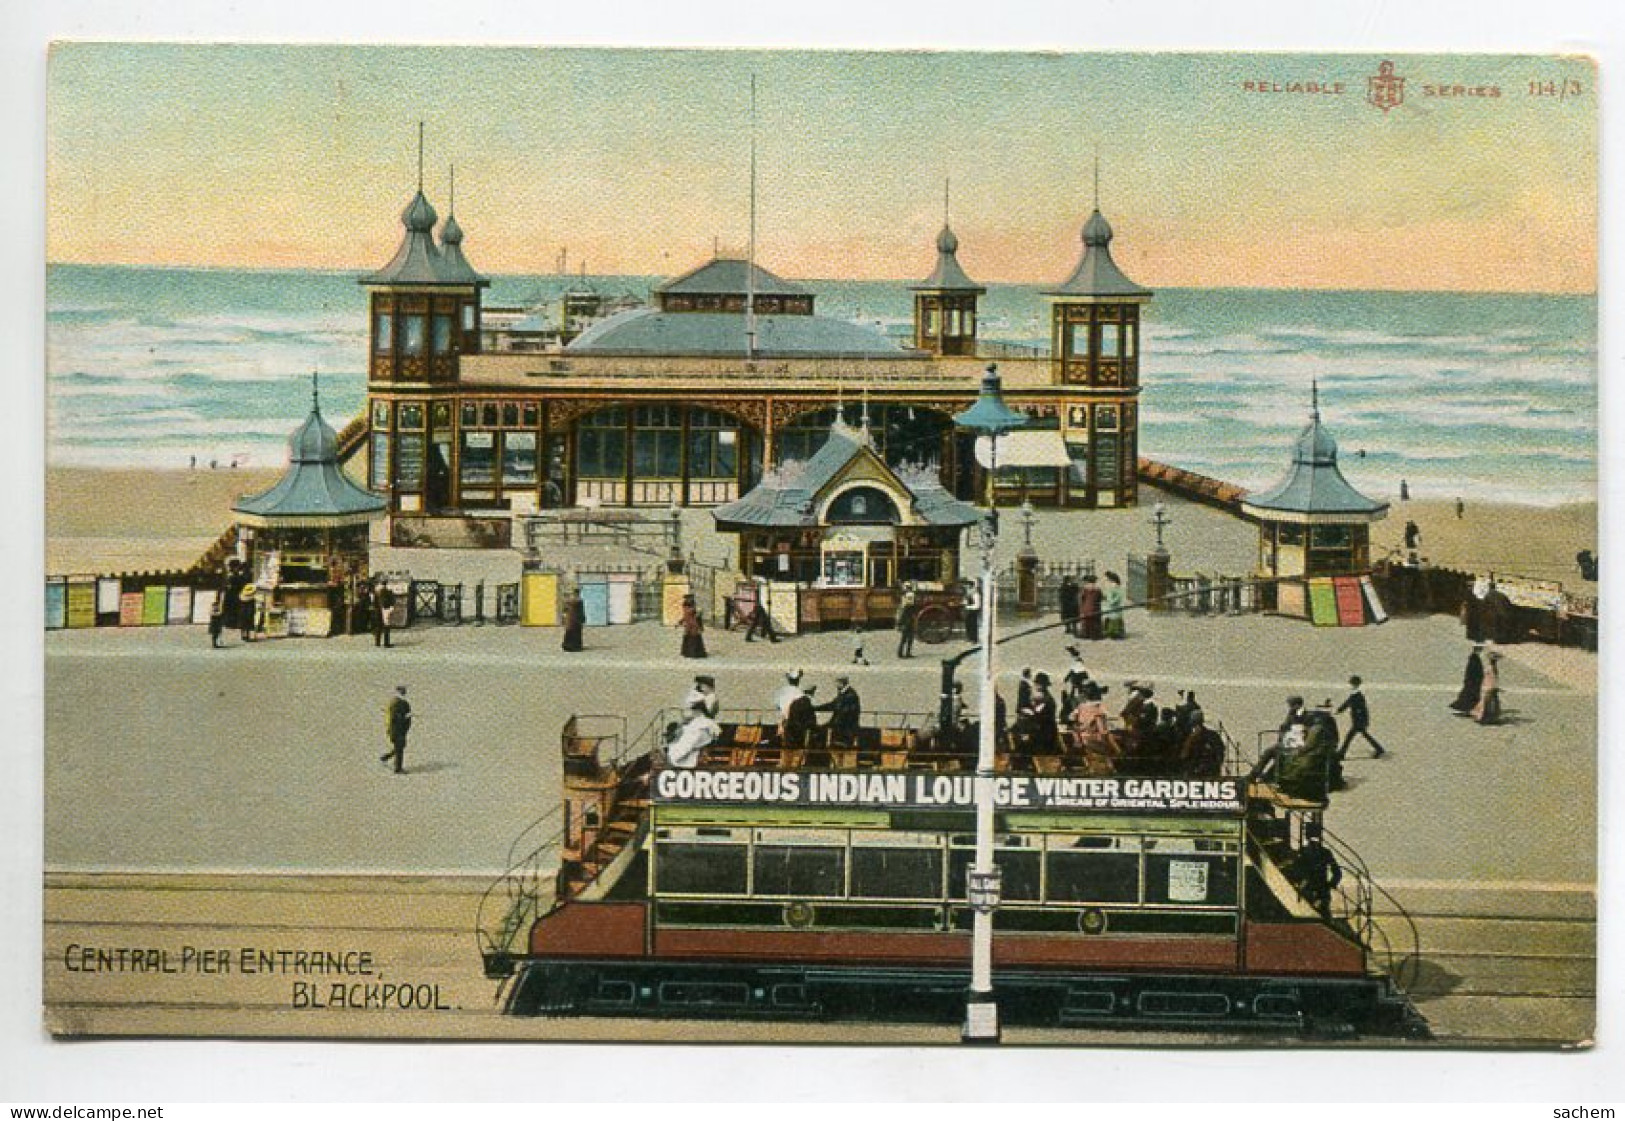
(397,723)
(693,628)
(575,618)
(908,613)
(247,603)
(1069,605)
(1488,708)
(1112,601)
(858,656)
(973,611)
(761,623)
(1089,600)
(1472,682)
(383,602)
(1359,721)
(217,622)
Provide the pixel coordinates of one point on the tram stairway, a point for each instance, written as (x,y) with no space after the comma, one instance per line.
(617,836)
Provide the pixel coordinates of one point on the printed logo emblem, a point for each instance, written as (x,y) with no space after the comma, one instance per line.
(1384,90)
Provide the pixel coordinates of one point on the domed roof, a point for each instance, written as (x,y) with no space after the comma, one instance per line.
(313,441)
(451,233)
(419,215)
(1097,274)
(947,276)
(1097,231)
(1314,490)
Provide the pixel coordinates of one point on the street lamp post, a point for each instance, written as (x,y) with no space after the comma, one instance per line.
(989,416)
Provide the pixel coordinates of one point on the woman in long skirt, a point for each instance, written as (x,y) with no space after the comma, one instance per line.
(1111,602)
(1488,709)
(693,630)
(1472,683)
(575,617)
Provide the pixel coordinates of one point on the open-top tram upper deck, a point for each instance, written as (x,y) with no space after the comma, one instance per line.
(829,879)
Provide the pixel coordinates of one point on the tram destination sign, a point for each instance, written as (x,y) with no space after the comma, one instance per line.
(675,786)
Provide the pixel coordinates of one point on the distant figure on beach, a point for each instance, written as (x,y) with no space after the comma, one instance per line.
(1488,708)
(1587,561)
(397,723)
(1461,508)
(213,464)
(1404,491)
(1359,721)
(191,463)
(1413,536)
(575,617)
(1112,607)
(383,602)
(1472,682)
(693,628)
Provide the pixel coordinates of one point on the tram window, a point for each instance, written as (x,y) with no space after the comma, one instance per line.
(1190,878)
(1018,871)
(1093,877)
(799,870)
(707,869)
(896,873)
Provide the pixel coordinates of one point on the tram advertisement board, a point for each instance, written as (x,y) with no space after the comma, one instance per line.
(702,317)
(872,790)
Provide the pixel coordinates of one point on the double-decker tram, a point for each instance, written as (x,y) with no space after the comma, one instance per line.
(828,881)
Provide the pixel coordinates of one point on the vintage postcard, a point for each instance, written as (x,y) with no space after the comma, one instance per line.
(771,546)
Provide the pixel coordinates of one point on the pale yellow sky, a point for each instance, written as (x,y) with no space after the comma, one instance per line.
(637,161)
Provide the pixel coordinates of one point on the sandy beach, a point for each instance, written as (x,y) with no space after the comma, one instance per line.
(105,521)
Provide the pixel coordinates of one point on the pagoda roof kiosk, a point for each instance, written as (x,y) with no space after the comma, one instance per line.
(306,538)
(1312,524)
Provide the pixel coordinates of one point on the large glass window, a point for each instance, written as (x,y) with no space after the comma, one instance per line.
(897,866)
(412,334)
(657,442)
(1110,333)
(713,445)
(1107,473)
(519,457)
(601,445)
(442,334)
(379,478)
(1018,869)
(409,461)
(1189,877)
(478,458)
(800,870)
(383,333)
(700,869)
(1094,870)
(412,416)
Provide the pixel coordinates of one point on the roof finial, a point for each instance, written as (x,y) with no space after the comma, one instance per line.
(1314,399)
(420,157)
(1097,177)
(946,183)
(315,392)
(451,194)
(863,416)
(750,262)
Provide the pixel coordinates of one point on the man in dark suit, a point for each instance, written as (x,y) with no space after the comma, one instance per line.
(397,722)
(845,713)
(1359,721)
(382,604)
(800,720)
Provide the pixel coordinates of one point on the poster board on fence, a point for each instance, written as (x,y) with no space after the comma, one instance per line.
(129,609)
(539,599)
(203,601)
(1379,613)
(154,606)
(81,603)
(180,605)
(56,604)
(1322,602)
(1350,604)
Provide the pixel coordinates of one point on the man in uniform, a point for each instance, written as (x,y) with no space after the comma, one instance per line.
(397,722)
(845,713)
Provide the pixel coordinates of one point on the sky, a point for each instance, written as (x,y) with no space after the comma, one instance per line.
(638,162)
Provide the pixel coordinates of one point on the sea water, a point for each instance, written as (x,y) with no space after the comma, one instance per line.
(1482,396)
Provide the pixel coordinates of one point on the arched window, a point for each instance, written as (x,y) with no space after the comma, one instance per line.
(863,506)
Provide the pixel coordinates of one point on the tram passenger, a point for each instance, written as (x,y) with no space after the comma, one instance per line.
(698,733)
(1187,711)
(1201,755)
(801,720)
(1316,872)
(845,710)
(703,695)
(1308,774)
(787,693)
